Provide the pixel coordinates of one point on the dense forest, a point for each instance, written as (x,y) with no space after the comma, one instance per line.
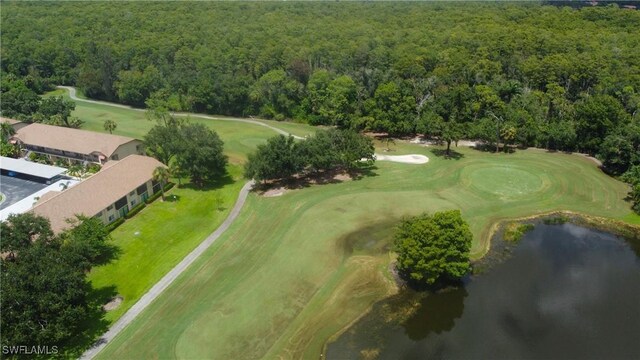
(506,73)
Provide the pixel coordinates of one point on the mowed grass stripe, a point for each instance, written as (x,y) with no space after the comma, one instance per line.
(280,282)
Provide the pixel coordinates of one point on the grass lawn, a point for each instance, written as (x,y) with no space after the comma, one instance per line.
(294,270)
(161,235)
(239,138)
(156,239)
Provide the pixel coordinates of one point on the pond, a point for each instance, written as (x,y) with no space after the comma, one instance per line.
(563,292)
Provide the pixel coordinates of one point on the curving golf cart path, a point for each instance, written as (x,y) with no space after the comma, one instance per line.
(169,278)
(74,97)
(172,275)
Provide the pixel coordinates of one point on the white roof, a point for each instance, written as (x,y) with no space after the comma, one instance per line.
(30,168)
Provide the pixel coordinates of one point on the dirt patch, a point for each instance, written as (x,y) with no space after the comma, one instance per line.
(280,187)
(113,304)
(342,177)
(274,192)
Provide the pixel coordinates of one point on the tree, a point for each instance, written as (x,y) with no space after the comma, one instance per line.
(632,177)
(176,171)
(161,175)
(276,94)
(6,148)
(58,110)
(596,116)
(201,155)
(20,231)
(433,248)
(45,294)
(87,241)
(17,98)
(391,110)
(110,125)
(163,142)
(277,159)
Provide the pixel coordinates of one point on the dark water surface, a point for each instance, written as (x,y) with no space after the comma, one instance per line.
(566,292)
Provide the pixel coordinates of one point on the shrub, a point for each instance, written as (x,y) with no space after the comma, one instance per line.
(136,209)
(114,225)
(169,186)
(514,232)
(153,197)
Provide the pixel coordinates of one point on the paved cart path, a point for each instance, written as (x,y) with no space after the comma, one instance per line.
(169,278)
(72,94)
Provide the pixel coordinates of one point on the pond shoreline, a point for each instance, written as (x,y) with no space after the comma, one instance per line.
(499,249)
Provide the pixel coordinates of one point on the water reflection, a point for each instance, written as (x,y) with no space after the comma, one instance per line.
(425,321)
(565,292)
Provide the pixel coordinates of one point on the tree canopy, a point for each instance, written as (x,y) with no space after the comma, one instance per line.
(282,157)
(194,148)
(45,294)
(433,248)
(505,73)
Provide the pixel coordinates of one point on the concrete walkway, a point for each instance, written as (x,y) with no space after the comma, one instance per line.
(168,279)
(72,94)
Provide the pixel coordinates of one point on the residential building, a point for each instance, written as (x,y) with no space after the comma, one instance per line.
(75,145)
(107,195)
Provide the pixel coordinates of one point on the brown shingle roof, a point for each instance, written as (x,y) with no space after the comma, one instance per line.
(98,191)
(67,139)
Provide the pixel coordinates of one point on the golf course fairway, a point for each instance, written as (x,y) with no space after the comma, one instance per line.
(294,270)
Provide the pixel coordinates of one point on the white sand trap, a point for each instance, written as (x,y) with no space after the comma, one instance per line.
(406,159)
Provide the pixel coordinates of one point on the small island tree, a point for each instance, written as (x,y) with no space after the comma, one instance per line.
(433,248)
(110,125)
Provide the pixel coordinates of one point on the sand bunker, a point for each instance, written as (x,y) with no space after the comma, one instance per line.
(406,159)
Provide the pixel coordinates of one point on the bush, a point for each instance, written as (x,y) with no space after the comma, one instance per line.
(136,209)
(514,232)
(153,197)
(114,225)
(169,186)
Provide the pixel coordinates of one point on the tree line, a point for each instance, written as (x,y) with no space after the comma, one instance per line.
(334,149)
(508,74)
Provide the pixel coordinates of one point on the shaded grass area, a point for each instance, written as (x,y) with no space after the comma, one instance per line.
(285,277)
(239,138)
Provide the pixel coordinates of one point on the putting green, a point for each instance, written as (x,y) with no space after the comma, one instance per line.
(507,182)
(294,270)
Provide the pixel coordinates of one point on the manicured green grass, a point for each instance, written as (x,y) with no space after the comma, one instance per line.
(294,270)
(239,138)
(163,233)
(160,236)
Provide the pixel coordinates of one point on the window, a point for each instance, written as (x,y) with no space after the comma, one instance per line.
(111,218)
(132,193)
(141,189)
(110,207)
(122,202)
(133,202)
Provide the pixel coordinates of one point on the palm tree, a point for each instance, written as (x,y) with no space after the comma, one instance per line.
(7,131)
(110,125)
(161,174)
(176,171)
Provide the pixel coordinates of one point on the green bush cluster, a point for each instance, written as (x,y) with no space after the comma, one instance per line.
(136,209)
(114,225)
(153,197)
